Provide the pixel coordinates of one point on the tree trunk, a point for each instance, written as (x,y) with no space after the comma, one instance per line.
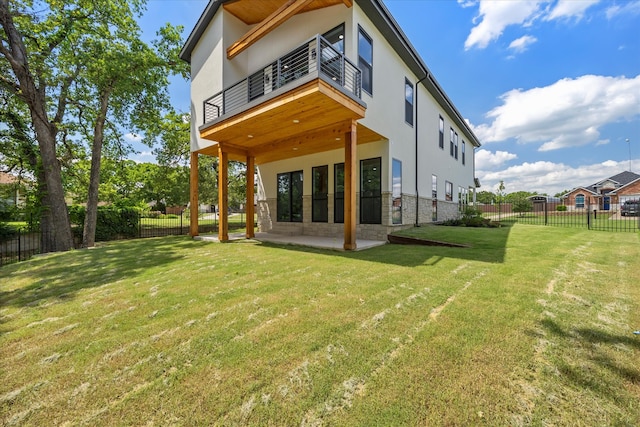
(14,50)
(91,213)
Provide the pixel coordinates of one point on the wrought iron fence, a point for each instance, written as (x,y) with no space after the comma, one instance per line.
(304,60)
(23,243)
(590,217)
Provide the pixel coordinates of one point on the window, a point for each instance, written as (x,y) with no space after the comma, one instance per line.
(448,189)
(434,198)
(396,206)
(371,191)
(455,145)
(365,60)
(335,36)
(408,102)
(464,146)
(580,201)
(441,135)
(319,201)
(290,197)
(451,141)
(338,193)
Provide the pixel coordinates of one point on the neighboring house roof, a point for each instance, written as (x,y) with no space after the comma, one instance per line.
(387,25)
(620,180)
(6,178)
(585,189)
(628,184)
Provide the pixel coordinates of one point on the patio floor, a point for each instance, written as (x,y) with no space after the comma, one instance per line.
(334,243)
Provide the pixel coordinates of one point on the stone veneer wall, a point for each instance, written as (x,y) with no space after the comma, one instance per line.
(267,209)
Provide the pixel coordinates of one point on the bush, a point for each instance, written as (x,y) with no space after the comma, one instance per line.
(112,223)
(471,217)
(561,208)
(7,232)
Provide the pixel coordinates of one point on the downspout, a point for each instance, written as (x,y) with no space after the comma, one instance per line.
(416,141)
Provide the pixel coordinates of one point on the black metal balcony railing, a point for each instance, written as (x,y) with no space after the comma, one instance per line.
(298,63)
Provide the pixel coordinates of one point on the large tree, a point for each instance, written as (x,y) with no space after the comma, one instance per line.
(82,71)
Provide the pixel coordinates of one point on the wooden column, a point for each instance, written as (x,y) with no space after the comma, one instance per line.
(193,195)
(249,210)
(223,195)
(350,155)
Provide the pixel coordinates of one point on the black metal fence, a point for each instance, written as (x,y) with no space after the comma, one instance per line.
(23,243)
(589,217)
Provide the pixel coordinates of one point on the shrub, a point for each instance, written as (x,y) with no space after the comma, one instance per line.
(561,208)
(112,223)
(7,231)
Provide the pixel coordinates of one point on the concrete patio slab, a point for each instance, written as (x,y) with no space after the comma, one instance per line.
(333,243)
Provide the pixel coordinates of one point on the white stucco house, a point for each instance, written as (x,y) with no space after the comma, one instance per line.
(327,100)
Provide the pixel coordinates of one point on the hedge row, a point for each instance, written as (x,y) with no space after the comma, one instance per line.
(113,223)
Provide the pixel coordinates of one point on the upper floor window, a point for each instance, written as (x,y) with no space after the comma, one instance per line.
(441,135)
(408,102)
(463,150)
(335,36)
(365,60)
(451,141)
(455,145)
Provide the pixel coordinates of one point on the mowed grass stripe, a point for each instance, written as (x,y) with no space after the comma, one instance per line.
(245,333)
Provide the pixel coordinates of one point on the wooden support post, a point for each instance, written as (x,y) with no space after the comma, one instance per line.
(223,195)
(249,210)
(193,195)
(350,156)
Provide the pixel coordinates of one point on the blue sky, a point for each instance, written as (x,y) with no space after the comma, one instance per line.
(550,87)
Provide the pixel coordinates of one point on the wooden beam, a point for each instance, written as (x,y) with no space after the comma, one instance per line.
(223,195)
(249,210)
(270,23)
(350,156)
(193,195)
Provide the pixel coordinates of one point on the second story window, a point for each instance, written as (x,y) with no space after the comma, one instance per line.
(408,102)
(451,142)
(455,145)
(441,135)
(365,60)
(464,146)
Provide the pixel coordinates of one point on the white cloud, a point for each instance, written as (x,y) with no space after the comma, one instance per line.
(567,113)
(522,44)
(549,177)
(570,9)
(132,137)
(495,16)
(627,9)
(485,159)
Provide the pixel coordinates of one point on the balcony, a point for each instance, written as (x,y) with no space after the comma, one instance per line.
(302,103)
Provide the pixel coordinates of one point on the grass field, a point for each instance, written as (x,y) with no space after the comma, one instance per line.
(530,326)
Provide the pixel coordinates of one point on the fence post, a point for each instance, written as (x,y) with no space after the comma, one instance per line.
(546,212)
(181,213)
(19,244)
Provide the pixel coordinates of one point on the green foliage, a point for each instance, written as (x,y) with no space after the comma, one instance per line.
(486,197)
(561,208)
(521,205)
(517,196)
(112,222)
(7,231)
(471,217)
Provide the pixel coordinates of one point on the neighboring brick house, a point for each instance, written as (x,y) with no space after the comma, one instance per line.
(284,86)
(10,190)
(604,195)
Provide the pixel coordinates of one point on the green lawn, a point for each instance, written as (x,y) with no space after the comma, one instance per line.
(530,326)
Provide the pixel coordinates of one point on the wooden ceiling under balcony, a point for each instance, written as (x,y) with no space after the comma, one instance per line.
(309,119)
(253,12)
